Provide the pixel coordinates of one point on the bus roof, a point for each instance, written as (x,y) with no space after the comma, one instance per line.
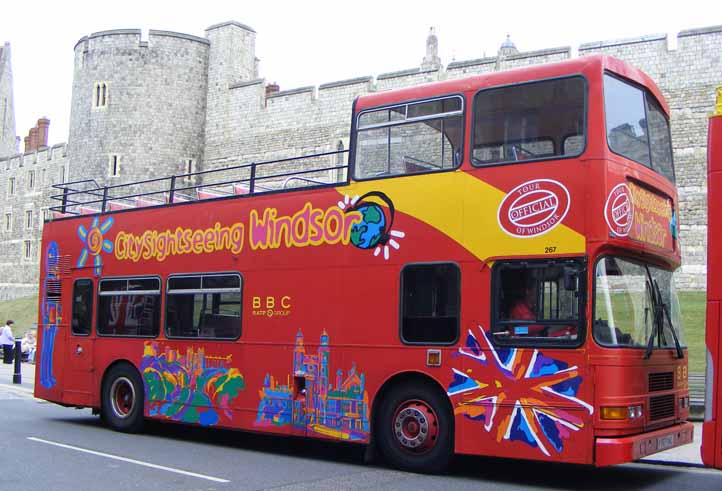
(581,65)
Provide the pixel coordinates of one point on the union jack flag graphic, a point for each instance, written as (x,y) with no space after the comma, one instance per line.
(520,392)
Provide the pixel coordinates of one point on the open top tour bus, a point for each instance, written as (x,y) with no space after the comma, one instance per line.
(489,271)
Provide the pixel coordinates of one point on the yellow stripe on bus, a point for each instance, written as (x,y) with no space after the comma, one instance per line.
(443,201)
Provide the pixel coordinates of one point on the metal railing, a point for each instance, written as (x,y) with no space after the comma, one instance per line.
(87,196)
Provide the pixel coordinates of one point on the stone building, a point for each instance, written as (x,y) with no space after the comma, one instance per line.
(138,107)
(177,103)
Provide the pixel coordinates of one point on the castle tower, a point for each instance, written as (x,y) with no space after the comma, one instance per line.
(431,61)
(7,109)
(231,62)
(138,107)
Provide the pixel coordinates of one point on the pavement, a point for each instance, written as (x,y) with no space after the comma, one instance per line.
(686,455)
(27,378)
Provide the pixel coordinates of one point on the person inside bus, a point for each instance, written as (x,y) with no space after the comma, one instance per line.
(522,303)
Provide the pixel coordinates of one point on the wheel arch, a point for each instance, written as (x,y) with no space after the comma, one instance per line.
(402,378)
(123,413)
(108,369)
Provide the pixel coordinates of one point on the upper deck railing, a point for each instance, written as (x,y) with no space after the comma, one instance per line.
(88,197)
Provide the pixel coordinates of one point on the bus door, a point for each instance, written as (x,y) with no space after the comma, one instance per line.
(78,386)
(712,428)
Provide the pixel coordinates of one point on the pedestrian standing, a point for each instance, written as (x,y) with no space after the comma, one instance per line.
(7,341)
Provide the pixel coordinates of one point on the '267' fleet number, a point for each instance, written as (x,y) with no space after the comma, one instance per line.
(550,250)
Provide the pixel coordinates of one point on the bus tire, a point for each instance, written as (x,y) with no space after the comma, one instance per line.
(123,399)
(414,428)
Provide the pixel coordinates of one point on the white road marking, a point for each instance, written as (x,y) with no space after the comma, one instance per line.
(130,461)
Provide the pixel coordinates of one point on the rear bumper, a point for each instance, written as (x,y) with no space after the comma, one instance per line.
(612,451)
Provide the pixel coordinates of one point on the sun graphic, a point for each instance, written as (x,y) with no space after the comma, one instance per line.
(94,243)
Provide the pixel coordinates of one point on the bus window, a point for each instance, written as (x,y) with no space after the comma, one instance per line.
(660,140)
(82,307)
(430,303)
(637,128)
(538,302)
(129,307)
(634,302)
(409,138)
(204,306)
(531,121)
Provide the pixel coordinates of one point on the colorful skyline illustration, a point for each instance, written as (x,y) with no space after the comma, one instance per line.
(339,410)
(191,387)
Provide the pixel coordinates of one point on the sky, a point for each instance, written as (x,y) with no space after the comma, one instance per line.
(315,42)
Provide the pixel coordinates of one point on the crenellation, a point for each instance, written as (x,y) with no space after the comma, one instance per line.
(524,61)
(660,39)
(455,65)
(310,90)
(240,85)
(557,54)
(154,34)
(700,31)
(365,82)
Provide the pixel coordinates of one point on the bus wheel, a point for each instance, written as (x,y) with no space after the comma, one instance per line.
(414,429)
(123,395)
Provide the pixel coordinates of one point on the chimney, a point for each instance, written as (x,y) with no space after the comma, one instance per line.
(272,88)
(27,144)
(43,126)
(33,139)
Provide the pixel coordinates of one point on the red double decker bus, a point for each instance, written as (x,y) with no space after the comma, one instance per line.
(712,427)
(490,273)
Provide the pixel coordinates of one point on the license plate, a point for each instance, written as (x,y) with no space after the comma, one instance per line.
(665,442)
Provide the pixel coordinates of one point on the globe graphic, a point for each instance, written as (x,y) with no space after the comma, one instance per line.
(369,231)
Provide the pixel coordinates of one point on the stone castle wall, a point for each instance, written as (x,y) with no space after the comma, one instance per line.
(176,96)
(22,214)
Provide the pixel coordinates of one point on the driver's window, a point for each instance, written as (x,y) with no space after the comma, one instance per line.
(538,302)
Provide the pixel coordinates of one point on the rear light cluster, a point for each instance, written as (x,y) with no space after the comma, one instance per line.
(621,412)
(684,402)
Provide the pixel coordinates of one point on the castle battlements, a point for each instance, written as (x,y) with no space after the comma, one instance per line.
(132,38)
(44,155)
